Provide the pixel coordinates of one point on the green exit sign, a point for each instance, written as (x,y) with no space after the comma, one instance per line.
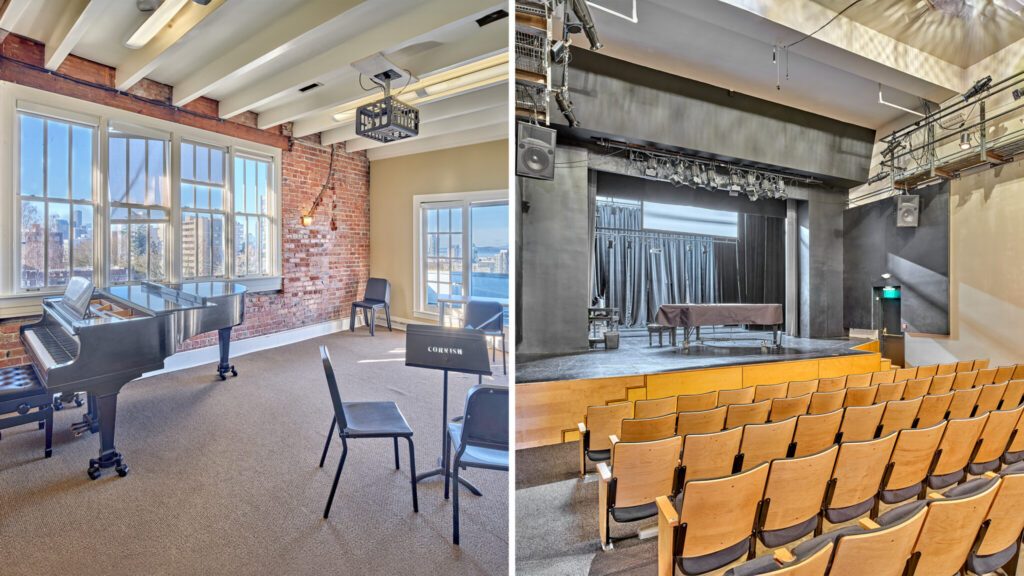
(890,293)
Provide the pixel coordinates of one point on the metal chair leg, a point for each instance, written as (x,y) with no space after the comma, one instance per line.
(352,319)
(387,315)
(455,502)
(327,443)
(504,355)
(337,475)
(397,465)
(412,470)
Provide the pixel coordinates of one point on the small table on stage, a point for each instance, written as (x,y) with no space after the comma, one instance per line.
(445,301)
(450,350)
(690,317)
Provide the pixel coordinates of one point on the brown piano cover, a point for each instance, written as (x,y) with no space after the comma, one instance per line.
(690,315)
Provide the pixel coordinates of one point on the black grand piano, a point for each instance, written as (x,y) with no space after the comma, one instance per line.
(97,340)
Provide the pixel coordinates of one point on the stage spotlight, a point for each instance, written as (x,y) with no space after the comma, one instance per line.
(965,141)
(979,87)
(652,167)
(780,189)
(1018,93)
(558,52)
(878,177)
(582,11)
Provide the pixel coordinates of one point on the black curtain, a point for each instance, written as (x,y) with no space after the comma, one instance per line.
(761,259)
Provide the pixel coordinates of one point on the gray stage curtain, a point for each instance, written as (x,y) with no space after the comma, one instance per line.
(761,259)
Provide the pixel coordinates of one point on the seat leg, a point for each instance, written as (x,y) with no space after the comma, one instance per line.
(504,355)
(373,321)
(337,475)
(352,319)
(412,471)
(49,432)
(327,443)
(455,501)
(387,315)
(397,465)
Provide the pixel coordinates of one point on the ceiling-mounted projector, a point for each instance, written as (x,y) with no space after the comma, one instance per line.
(388,119)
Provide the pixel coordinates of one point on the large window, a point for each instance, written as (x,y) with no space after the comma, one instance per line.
(253,230)
(139,208)
(202,211)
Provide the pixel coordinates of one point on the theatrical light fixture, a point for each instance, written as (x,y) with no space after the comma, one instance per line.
(565,105)
(161,15)
(979,87)
(582,12)
(965,141)
(1017,93)
(878,177)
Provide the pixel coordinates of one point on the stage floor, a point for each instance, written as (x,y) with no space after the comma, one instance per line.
(635,356)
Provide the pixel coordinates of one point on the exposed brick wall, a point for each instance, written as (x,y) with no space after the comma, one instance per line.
(323,270)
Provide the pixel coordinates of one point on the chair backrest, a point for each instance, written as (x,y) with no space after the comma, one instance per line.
(944,369)
(900,414)
(647,429)
(701,422)
(378,289)
(965,365)
(913,455)
(801,387)
(816,432)
(859,470)
(1006,521)
(711,455)
(604,421)
(879,552)
(985,376)
(644,470)
(949,531)
(861,396)
(484,315)
(769,391)
(736,396)
(916,387)
(859,380)
(1017,443)
(485,423)
(964,402)
(980,364)
(824,402)
(783,408)
(654,407)
(927,371)
(720,512)
(964,380)
(995,436)
(884,377)
(890,391)
(933,409)
(1014,394)
(905,374)
(696,402)
(796,487)
(1018,372)
(766,442)
(990,398)
(861,422)
(1004,373)
(831,384)
(743,414)
(941,383)
(332,386)
(958,443)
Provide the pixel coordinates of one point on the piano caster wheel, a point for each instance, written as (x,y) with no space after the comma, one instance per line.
(122,470)
(233,371)
(49,453)
(94,472)
(222,376)
(78,400)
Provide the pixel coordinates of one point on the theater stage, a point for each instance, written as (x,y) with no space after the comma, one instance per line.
(553,392)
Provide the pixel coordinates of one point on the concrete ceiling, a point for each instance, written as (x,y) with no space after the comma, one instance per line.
(254,55)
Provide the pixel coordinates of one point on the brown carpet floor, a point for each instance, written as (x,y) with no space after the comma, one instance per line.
(224,477)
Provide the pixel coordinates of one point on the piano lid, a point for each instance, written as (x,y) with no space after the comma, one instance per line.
(209,289)
(447,348)
(155,298)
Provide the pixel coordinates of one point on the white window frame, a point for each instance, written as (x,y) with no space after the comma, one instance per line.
(224,212)
(466,200)
(15,301)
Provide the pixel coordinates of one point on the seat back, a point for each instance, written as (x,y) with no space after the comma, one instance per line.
(604,421)
(1017,442)
(644,470)
(941,383)
(701,422)
(905,374)
(861,396)
(945,369)
(743,414)
(927,371)
(913,455)
(711,455)
(859,380)
(900,414)
(949,531)
(654,407)
(485,423)
(378,289)
(816,432)
(861,422)
(965,365)
(964,402)
(696,402)
(884,377)
(859,470)
(880,552)
(766,442)
(990,398)
(995,436)
(957,444)
(824,402)
(1004,374)
(484,315)
(980,364)
(831,384)
(1005,520)
(916,387)
(796,488)
(332,386)
(720,512)
(647,429)
(985,376)
(964,380)
(933,409)
(736,396)
(801,387)
(890,391)
(783,408)
(769,391)
(1013,394)
(1018,372)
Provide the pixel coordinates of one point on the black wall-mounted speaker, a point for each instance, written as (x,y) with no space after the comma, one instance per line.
(908,210)
(535,151)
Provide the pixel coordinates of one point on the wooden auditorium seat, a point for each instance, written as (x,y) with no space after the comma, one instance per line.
(941,383)
(647,429)
(766,442)
(639,473)
(743,414)
(801,387)
(994,440)
(927,371)
(963,380)
(899,415)
(990,398)
(964,402)
(654,407)
(824,402)
(1018,372)
(816,432)
(781,562)
(857,478)
(1014,394)
(911,463)
(1015,450)
(1000,540)
(770,391)
(736,396)
(980,364)
(696,402)
(598,425)
(964,365)
(890,391)
(793,497)
(860,396)
(958,442)
(934,409)
(916,387)
(861,422)
(905,374)
(711,455)
(858,380)
(831,384)
(784,408)
(944,369)
(701,421)
(985,376)
(868,548)
(1004,374)
(883,377)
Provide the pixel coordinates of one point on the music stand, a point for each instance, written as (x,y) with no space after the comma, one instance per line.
(450,350)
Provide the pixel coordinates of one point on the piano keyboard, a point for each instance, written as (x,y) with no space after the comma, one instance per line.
(52,345)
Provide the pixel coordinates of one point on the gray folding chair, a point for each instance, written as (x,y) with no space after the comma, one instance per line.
(365,420)
(376,296)
(478,440)
(489,318)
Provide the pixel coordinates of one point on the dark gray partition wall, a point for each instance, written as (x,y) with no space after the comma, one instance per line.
(917,258)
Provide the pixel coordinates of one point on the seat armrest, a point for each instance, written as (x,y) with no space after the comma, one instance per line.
(666,511)
(604,471)
(867,524)
(668,523)
(935,496)
(783,556)
(582,428)
(614,439)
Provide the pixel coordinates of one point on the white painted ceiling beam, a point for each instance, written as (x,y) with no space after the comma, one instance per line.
(483,117)
(439,110)
(391,36)
(469,137)
(146,59)
(72,25)
(484,44)
(261,47)
(12,13)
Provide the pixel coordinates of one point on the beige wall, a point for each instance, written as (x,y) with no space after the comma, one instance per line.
(394,182)
(986,272)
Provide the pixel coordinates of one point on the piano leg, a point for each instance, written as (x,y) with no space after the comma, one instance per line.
(109,457)
(224,340)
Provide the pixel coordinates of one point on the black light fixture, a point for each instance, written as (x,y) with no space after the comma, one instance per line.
(979,87)
(388,119)
(582,12)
